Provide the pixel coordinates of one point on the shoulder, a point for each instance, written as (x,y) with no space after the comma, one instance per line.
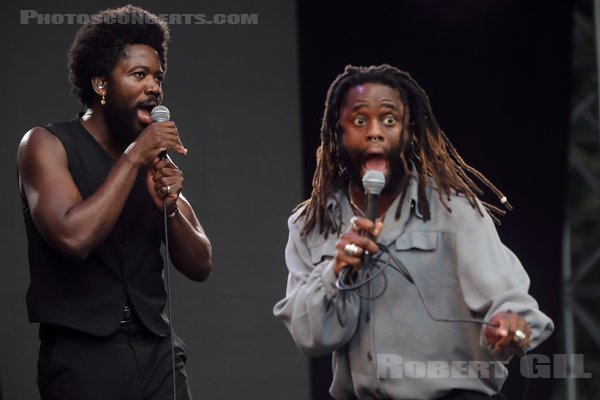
(39,150)
(456,211)
(296,220)
(38,139)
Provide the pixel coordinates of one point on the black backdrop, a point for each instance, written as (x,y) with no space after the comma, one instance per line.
(497,74)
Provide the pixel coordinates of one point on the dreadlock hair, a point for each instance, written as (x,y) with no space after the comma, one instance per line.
(100,44)
(429,150)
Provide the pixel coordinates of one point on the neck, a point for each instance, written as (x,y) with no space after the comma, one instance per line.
(386,198)
(94,122)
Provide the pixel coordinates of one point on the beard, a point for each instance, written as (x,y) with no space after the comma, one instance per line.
(121,121)
(353,161)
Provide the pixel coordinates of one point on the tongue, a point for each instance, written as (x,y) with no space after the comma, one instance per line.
(144,116)
(377,163)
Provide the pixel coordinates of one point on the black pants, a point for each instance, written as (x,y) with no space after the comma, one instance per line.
(131,364)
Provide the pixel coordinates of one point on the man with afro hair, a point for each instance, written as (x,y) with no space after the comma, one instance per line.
(97,194)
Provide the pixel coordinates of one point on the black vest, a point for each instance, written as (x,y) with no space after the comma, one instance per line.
(126,268)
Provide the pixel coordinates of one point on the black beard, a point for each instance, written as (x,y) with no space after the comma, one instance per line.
(120,121)
(353,162)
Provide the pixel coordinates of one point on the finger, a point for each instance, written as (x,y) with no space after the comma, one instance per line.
(168,189)
(171,174)
(152,164)
(361,241)
(165,176)
(378,228)
(166,168)
(343,260)
(504,340)
(178,147)
(170,140)
(362,224)
(500,334)
(166,162)
(522,336)
(493,335)
(164,191)
(348,246)
(175,142)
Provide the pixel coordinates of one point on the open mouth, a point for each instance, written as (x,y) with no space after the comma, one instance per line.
(144,112)
(376,162)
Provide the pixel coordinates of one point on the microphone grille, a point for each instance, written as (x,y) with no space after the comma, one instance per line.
(373,182)
(160,114)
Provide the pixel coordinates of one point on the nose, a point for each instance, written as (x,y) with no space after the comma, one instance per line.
(374,133)
(153,87)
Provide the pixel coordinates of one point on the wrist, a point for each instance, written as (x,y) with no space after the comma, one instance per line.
(172,213)
(130,155)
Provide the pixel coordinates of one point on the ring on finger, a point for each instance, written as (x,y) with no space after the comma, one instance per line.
(353,222)
(168,189)
(352,250)
(520,335)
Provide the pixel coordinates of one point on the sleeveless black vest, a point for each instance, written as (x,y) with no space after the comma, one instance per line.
(126,268)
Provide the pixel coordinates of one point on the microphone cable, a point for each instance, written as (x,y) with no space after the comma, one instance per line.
(168,289)
(161,113)
(376,267)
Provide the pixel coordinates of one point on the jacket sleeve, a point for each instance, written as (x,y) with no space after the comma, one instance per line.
(319,317)
(492,278)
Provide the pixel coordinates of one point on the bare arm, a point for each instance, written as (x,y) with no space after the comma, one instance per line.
(189,247)
(71,225)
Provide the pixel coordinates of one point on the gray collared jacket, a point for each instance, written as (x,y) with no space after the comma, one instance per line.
(384,342)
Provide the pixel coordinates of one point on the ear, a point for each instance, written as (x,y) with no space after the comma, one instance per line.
(99,85)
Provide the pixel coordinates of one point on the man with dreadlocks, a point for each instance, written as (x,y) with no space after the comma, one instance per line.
(439,303)
(94,189)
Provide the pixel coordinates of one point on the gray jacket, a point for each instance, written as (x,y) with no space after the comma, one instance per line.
(384,343)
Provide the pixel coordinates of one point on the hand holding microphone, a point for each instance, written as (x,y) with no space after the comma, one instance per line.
(373,182)
(351,246)
(165,179)
(156,137)
(160,114)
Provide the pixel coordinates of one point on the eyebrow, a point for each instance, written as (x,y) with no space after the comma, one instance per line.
(145,68)
(385,104)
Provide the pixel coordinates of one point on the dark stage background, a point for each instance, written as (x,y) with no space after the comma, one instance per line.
(248,101)
(233,91)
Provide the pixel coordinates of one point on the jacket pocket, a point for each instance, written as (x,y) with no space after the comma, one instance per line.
(417,240)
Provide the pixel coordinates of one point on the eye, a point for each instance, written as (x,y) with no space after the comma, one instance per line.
(359,121)
(389,120)
(139,74)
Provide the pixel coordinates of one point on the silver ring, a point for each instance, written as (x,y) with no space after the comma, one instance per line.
(520,335)
(352,250)
(168,189)
(353,221)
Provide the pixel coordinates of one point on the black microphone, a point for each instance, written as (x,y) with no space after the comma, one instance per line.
(160,114)
(373,182)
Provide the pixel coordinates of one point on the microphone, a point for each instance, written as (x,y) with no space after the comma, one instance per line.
(373,182)
(160,114)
